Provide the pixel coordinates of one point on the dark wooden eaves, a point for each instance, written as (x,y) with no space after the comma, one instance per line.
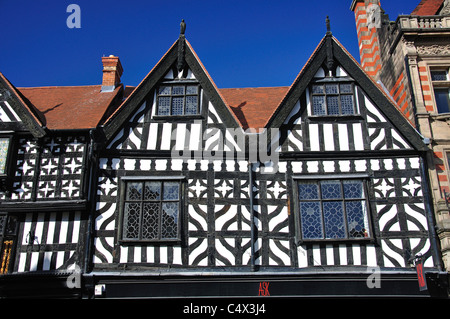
(130,105)
(30,117)
(373,92)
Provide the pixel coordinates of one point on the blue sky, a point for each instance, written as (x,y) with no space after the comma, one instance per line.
(241,43)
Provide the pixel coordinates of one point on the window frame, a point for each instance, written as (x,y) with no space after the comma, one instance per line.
(320,178)
(8,174)
(122,201)
(441,85)
(172,84)
(338,82)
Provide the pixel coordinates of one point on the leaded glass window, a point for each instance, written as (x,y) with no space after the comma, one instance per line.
(4,147)
(332,99)
(333,209)
(179,99)
(151,210)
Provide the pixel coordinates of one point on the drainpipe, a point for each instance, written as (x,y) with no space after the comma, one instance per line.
(92,160)
(252,222)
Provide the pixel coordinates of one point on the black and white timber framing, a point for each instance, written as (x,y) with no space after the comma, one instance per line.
(238,223)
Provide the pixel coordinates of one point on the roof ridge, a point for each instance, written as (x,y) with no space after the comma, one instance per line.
(57,86)
(137,87)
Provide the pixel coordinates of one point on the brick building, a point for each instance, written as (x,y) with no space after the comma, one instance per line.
(410,58)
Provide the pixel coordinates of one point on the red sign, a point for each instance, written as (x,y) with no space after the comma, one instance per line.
(263,289)
(420,275)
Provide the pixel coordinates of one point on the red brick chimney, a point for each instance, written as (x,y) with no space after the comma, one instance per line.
(112,71)
(367,17)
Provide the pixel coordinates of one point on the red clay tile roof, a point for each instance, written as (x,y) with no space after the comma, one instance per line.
(253,106)
(427,7)
(70,107)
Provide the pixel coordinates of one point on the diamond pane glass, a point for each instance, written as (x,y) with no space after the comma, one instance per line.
(331,189)
(333,214)
(308,191)
(311,219)
(317,89)
(152,191)
(150,221)
(358,225)
(164,106)
(171,190)
(345,88)
(178,90)
(177,105)
(164,90)
(353,189)
(191,105)
(347,104)
(134,191)
(192,90)
(332,105)
(318,105)
(331,89)
(131,220)
(4,145)
(169,220)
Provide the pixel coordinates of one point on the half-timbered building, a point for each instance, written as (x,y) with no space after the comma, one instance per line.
(188,190)
(211,192)
(46,168)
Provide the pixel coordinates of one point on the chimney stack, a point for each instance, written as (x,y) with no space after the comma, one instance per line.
(368,21)
(112,71)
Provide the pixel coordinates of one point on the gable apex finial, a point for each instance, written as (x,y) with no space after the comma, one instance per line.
(327,21)
(182,27)
(181,44)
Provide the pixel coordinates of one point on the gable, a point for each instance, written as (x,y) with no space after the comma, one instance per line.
(148,130)
(16,113)
(167,70)
(375,124)
(7,113)
(367,129)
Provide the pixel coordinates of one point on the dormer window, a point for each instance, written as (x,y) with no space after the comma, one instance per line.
(332,98)
(178,100)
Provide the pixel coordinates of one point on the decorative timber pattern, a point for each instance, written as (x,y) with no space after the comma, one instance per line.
(215,216)
(169,182)
(50,241)
(50,169)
